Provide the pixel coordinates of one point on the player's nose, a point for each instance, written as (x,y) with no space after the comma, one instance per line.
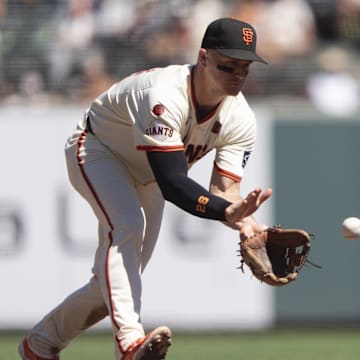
(241,73)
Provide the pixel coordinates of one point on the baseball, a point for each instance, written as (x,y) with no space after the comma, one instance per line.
(351,228)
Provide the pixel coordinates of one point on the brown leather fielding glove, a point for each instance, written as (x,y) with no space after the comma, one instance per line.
(276,255)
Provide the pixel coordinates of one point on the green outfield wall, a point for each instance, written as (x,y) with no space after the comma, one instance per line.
(316,183)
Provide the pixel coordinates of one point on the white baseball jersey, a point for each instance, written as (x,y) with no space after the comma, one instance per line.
(156,110)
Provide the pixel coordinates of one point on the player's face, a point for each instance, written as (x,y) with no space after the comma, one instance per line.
(229,74)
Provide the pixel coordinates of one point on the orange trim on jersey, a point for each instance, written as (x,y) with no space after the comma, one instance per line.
(226,173)
(160,148)
(199,119)
(80,145)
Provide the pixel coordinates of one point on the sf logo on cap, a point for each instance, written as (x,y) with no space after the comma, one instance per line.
(248,35)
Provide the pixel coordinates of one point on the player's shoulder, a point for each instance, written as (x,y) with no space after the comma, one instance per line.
(169,86)
(241,102)
(241,110)
(239,121)
(170,83)
(169,77)
(173,73)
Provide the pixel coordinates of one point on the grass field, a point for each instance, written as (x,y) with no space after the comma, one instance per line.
(304,344)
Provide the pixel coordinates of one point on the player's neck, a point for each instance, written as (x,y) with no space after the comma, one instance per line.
(206,98)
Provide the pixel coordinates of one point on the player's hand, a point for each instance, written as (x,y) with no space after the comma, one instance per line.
(250,227)
(236,212)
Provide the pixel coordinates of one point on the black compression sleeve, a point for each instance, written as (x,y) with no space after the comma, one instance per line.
(170,170)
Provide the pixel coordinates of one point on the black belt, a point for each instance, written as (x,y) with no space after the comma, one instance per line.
(88,126)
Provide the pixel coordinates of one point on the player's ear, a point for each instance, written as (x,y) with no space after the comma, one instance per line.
(203,57)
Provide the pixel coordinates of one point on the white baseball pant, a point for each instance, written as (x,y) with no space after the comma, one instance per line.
(129,216)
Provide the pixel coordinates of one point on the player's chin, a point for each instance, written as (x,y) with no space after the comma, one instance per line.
(233,93)
(234,89)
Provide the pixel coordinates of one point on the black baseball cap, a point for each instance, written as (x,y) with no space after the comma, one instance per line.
(232,38)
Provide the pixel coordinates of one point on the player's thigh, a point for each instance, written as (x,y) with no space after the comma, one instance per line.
(105,183)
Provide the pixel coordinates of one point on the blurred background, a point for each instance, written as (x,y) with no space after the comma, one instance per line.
(57,55)
(70,50)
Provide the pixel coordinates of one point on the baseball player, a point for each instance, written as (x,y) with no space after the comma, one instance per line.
(131,151)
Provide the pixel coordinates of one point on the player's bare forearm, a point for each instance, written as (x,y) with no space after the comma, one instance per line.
(225,187)
(239,214)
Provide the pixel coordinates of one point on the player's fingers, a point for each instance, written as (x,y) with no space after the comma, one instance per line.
(254,194)
(265,195)
(253,201)
(246,207)
(257,197)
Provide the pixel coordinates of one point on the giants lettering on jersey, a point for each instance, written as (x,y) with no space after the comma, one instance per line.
(159,130)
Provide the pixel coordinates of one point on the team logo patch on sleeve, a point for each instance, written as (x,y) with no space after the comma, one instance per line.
(245,158)
(158,109)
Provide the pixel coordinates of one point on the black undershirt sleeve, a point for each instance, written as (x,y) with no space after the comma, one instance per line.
(170,170)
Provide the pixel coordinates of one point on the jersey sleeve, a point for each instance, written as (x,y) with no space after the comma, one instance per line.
(231,157)
(157,119)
